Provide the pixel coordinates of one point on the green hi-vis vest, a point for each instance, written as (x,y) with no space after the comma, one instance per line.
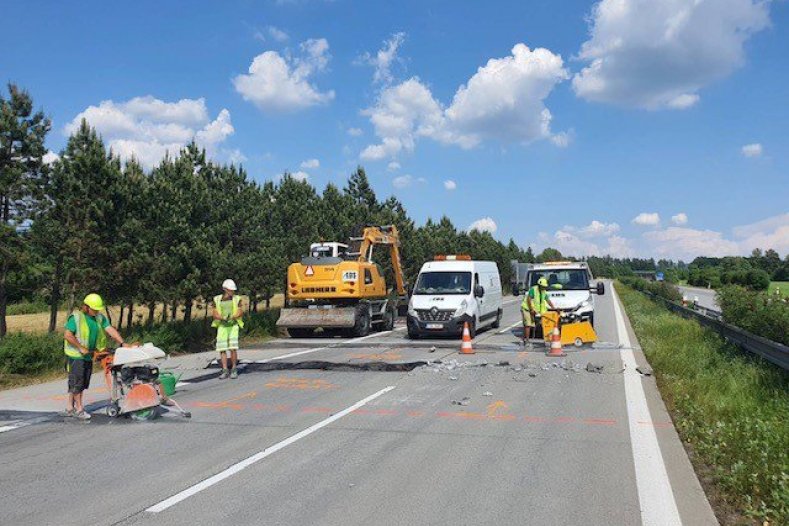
(538,298)
(83,335)
(225,315)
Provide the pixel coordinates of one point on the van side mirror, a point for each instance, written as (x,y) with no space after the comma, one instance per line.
(479,291)
(600,288)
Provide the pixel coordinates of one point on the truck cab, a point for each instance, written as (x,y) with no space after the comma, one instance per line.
(570,287)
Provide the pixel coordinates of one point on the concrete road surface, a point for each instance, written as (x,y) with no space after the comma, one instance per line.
(706,296)
(370,431)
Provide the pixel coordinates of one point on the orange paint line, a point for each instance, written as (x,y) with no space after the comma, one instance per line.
(599,421)
(535,419)
(415,414)
(385,412)
(317,410)
(503,417)
(467,416)
(564,419)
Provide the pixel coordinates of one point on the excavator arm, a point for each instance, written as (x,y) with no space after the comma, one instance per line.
(382,235)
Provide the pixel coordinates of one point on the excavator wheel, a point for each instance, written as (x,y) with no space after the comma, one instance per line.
(388,322)
(361,326)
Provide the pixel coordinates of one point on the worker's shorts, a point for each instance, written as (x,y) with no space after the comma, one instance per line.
(227,338)
(528,320)
(79,372)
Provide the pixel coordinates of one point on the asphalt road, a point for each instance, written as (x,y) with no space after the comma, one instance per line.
(504,436)
(706,297)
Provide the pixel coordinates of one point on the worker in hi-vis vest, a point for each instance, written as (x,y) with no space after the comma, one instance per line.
(86,333)
(535,302)
(227,320)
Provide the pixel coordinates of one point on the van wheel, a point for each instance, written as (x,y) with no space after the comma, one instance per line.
(472,329)
(412,334)
(497,323)
(362,325)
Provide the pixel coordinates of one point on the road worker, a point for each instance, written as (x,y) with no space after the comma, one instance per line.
(534,302)
(228,321)
(86,334)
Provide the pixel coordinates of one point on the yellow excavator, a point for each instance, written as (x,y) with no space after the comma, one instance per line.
(339,289)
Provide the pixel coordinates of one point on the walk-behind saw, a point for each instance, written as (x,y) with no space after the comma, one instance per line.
(132,377)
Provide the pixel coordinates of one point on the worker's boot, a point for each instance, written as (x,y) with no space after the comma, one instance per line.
(234,374)
(224,374)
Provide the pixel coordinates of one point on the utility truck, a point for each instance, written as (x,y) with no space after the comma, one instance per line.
(569,286)
(339,289)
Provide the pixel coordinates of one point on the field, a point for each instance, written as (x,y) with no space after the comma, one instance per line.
(783,286)
(38,322)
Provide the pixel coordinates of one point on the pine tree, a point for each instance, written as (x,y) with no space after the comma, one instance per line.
(22,134)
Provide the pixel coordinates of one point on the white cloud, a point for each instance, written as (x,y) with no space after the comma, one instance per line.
(148,128)
(310,164)
(485,224)
(235,156)
(393,166)
(772,232)
(594,229)
(383,59)
(50,157)
(752,150)
(562,139)
(355,132)
(680,219)
(647,219)
(404,181)
(503,100)
(277,34)
(450,185)
(300,176)
(687,243)
(657,54)
(277,83)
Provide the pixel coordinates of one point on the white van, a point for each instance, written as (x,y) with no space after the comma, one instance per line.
(452,290)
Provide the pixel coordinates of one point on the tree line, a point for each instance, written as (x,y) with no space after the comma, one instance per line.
(90,222)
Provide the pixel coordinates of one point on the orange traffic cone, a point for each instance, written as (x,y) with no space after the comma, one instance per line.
(556,344)
(466,347)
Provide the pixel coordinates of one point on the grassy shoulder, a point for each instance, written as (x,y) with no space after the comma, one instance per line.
(32,358)
(730,409)
(782,286)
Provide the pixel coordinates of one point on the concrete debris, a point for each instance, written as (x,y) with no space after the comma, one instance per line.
(533,375)
(644,370)
(594,368)
(487,393)
(464,401)
(453,377)
(432,349)
(504,363)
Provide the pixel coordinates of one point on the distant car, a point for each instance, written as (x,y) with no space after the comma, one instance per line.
(451,291)
(569,287)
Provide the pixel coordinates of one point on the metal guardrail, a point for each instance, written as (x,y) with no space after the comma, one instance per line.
(771,351)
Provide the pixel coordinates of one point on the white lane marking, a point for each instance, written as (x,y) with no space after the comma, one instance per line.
(658,506)
(508,329)
(24,423)
(338,344)
(183,383)
(235,468)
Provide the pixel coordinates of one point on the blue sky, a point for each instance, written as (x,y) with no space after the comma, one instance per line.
(635,127)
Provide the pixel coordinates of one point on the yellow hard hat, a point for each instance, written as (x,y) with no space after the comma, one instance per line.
(94,301)
(542,282)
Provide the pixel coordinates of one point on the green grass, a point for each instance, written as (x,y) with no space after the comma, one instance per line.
(730,408)
(27,307)
(783,286)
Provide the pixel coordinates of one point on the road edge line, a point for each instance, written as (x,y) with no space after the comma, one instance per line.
(239,466)
(656,498)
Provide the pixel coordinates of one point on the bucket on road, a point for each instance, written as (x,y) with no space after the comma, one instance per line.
(168,381)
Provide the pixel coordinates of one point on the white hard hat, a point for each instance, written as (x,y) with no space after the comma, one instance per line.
(229,284)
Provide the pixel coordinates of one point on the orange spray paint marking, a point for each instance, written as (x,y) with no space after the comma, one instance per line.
(300,384)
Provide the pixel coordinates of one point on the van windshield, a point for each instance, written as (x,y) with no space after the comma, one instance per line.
(564,279)
(443,283)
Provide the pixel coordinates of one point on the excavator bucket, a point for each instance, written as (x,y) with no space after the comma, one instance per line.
(337,317)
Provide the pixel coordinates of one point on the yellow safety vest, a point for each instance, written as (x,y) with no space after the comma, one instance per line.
(83,335)
(224,315)
(539,300)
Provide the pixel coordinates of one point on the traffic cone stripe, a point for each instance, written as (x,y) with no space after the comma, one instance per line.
(465,347)
(556,344)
